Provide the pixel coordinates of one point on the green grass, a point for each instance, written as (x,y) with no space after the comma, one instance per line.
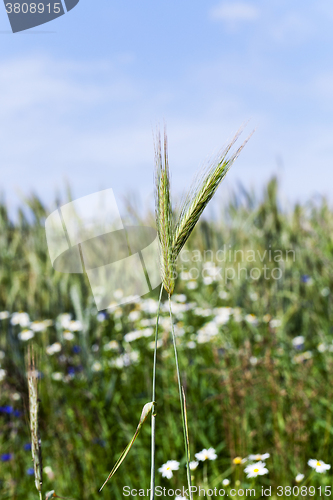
(248,389)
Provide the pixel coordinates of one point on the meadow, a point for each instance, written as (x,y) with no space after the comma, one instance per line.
(253,322)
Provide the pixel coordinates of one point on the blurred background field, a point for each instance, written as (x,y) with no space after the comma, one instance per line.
(256,356)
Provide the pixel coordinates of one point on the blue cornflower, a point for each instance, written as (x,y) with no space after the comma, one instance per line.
(6,457)
(71,370)
(30,471)
(305,278)
(76,349)
(27,447)
(6,409)
(17,413)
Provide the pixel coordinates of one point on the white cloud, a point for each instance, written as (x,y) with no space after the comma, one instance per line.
(292,29)
(93,126)
(234,12)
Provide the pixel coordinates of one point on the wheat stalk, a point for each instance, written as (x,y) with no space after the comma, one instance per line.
(172,239)
(36,448)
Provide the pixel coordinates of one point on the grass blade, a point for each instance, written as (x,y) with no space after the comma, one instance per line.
(145,412)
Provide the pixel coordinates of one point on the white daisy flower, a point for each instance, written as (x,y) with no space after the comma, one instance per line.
(112,345)
(239,460)
(75,326)
(191,344)
(206,455)
(225,482)
(180,297)
(257,469)
(168,467)
(134,315)
(26,335)
(299,478)
(275,323)
(3,374)
(252,319)
(318,465)
(118,294)
(298,341)
(51,349)
(138,334)
(38,326)
(259,457)
(65,319)
(207,280)
(4,315)
(322,347)
(194,464)
(20,318)
(96,367)
(149,306)
(68,335)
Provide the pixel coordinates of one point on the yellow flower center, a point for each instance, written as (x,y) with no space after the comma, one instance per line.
(237,460)
(255,470)
(318,463)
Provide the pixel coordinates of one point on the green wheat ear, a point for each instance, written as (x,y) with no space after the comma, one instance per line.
(201,192)
(173,238)
(164,217)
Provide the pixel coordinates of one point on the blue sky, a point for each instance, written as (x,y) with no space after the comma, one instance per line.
(81,96)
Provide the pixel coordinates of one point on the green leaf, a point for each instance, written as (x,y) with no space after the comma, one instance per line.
(145,412)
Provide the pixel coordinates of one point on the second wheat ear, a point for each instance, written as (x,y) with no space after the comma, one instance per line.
(173,234)
(36,445)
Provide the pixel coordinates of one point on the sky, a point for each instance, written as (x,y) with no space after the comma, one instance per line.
(81,97)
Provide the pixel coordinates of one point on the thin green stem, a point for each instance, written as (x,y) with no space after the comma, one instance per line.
(152,472)
(187,453)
